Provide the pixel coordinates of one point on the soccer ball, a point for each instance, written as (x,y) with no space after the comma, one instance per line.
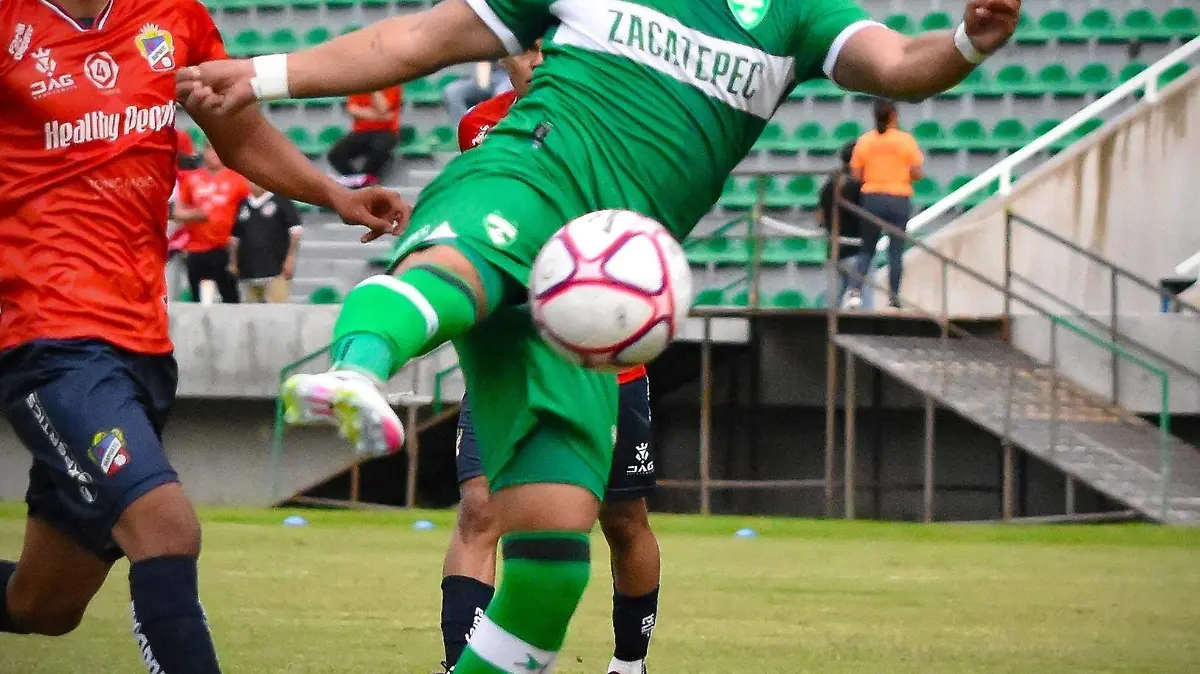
(611,289)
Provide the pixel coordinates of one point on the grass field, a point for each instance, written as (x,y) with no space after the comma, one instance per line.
(358,593)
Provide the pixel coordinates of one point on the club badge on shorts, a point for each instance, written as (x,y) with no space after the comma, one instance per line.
(109,451)
(157,47)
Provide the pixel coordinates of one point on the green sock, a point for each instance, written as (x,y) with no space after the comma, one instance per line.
(545,574)
(386,321)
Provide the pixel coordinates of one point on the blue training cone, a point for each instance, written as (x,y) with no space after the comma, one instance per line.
(423,525)
(745,533)
(295,521)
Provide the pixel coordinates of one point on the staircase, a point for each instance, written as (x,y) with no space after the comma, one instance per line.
(1099,444)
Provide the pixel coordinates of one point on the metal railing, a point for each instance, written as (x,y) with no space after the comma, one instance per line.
(1190,266)
(1003,172)
(948,330)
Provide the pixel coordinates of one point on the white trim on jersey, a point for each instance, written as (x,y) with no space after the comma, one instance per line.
(506,652)
(586,25)
(493,21)
(835,49)
(98,24)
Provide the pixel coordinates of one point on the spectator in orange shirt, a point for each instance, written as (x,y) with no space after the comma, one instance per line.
(888,162)
(361,155)
(208,203)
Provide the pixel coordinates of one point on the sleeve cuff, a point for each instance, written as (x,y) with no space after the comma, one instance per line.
(835,49)
(493,21)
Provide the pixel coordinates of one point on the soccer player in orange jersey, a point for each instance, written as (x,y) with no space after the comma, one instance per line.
(469,572)
(87,377)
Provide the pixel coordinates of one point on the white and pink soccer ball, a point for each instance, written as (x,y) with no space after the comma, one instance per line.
(610,290)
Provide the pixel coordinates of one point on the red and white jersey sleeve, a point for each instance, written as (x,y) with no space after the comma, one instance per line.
(481,119)
(87,132)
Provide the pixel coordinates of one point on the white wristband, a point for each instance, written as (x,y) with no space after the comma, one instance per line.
(966,48)
(270,81)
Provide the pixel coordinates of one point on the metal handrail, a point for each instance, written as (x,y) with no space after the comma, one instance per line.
(1004,170)
(1108,264)
(1189,266)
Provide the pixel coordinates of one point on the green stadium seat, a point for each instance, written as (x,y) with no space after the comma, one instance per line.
(247,43)
(709,297)
(846,132)
(1141,24)
(970,134)
(775,140)
(797,250)
(304,140)
(812,137)
(271,5)
(1087,128)
(719,250)
(351,27)
(984,85)
(975,82)
(316,36)
(737,195)
(375,3)
(305,207)
(930,135)
(444,139)
(901,23)
(340,4)
(1181,22)
(1028,31)
(1100,24)
(1058,25)
(739,299)
(306,5)
(235,6)
(820,89)
(197,137)
(1056,80)
(957,182)
(1173,73)
(330,135)
(282,40)
(803,191)
(774,195)
(926,192)
(423,92)
(1046,126)
(789,299)
(1010,134)
(185,295)
(937,21)
(1016,79)
(1130,71)
(325,295)
(1096,78)
(412,145)
(325,102)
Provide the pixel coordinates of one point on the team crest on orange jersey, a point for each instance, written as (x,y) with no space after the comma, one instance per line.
(157,46)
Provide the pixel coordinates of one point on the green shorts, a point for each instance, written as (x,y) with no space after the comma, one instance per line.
(538,418)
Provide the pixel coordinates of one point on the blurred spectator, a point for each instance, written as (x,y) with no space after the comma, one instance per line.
(266,239)
(461,95)
(361,155)
(842,185)
(887,161)
(208,206)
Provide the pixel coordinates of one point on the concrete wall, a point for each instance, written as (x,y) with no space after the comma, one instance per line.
(1127,193)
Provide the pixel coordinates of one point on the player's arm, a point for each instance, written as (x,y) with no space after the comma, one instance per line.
(388,52)
(882,62)
(248,144)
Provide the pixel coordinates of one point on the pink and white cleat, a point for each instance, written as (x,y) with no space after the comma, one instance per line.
(348,400)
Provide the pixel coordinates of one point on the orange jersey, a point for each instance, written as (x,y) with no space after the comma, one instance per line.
(87,136)
(473,128)
(218,195)
(395,98)
(886,161)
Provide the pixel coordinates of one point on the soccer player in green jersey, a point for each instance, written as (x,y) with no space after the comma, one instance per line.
(644,105)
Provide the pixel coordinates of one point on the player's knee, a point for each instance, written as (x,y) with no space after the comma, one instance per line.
(624,524)
(477,524)
(47,614)
(448,259)
(162,523)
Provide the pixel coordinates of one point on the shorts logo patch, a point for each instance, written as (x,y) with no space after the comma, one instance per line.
(110,452)
(458,443)
(500,231)
(749,13)
(643,465)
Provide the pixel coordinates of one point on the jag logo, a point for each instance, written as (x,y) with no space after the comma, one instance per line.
(101,70)
(54,83)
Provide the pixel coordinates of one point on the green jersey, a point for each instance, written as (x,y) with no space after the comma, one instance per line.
(648,105)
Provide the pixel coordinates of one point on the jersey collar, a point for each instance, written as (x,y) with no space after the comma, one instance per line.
(259,202)
(97,24)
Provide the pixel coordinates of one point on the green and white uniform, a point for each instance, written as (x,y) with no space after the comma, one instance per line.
(643,105)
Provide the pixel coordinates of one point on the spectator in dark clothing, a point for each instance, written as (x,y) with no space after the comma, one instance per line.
(361,155)
(845,186)
(265,242)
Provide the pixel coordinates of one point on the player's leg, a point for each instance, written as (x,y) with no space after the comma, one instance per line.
(545,432)
(469,572)
(379,152)
(227,284)
(625,521)
(94,423)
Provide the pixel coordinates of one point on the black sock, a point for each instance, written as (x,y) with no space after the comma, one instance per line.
(6,622)
(633,624)
(168,621)
(464,601)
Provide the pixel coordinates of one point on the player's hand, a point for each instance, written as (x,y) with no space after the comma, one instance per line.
(218,87)
(378,209)
(991,23)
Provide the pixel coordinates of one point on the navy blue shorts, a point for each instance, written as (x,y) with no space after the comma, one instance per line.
(632,475)
(92,415)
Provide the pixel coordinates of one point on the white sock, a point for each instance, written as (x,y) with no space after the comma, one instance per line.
(625,667)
